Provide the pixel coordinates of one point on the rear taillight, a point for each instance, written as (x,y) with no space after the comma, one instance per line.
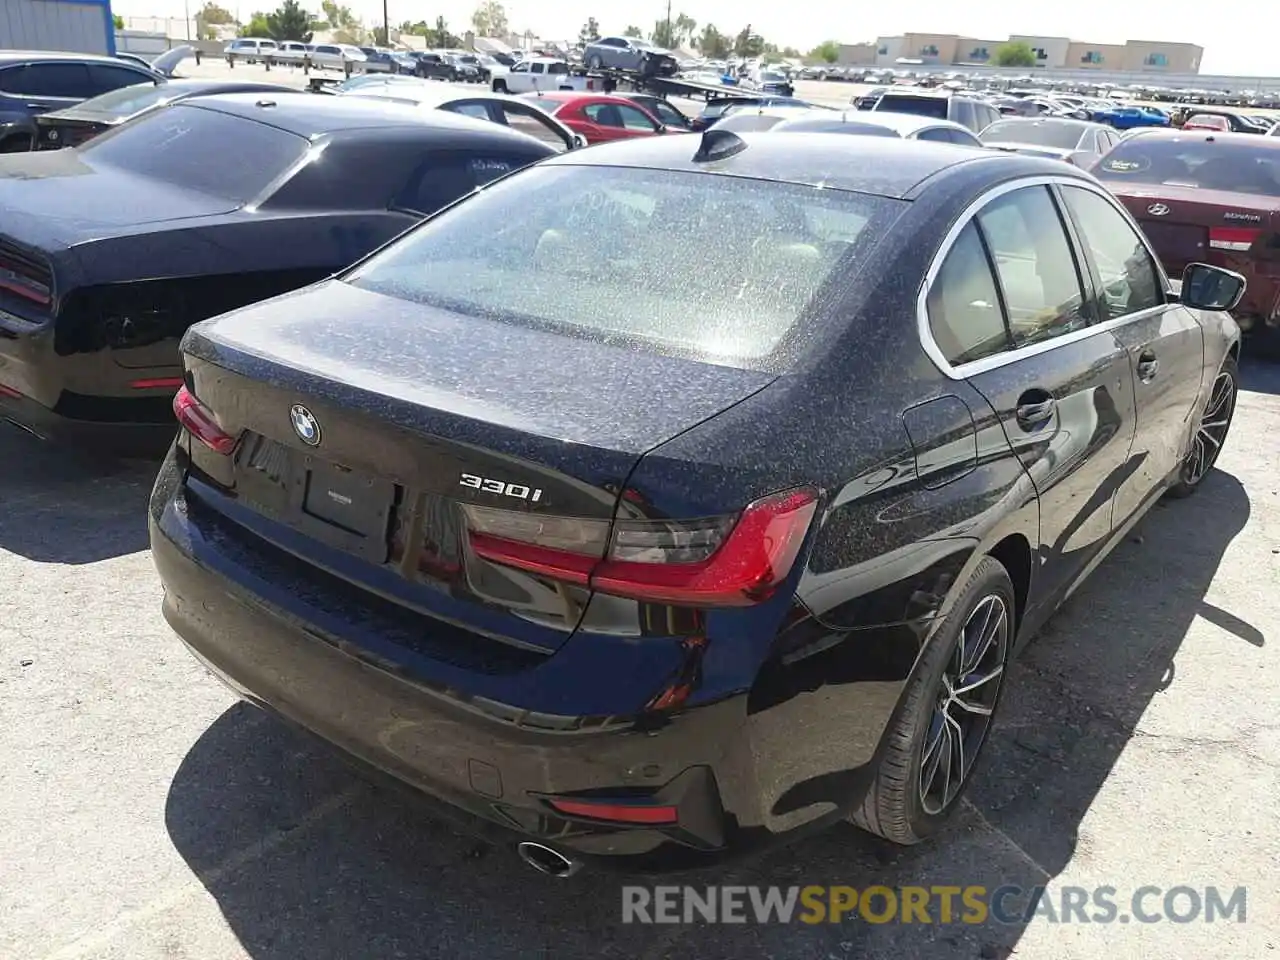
(718,561)
(200,422)
(1233,238)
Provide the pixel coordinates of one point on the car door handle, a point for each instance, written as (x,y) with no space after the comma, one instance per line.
(1148,366)
(37,107)
(1034,408)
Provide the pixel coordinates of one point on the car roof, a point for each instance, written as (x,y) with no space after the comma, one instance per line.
(308,115)
(1212,136)
(884,166)
(427,94)
(904,124)
(22,56)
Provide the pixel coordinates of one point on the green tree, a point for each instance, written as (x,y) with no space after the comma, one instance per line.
(215,14)
(664,34)
(258,26)
(379,35)
(338,17)
(1015,54)
(440,37)
(828,51)
(419,29)
(685,26)
(748,44)
(791,53)
(289,22)
(633,31)
(713,43)
(490,19)
(590,31)
(117,21)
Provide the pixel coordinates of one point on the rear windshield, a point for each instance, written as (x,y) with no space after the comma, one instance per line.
(126,101)
(713,267)
(1236,166)
(186,146)
(1063,136)
(935,107)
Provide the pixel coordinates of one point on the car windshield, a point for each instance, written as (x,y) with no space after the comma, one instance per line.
(935,107)
(1064,136)
(127,101)
(773,78)
(186,146)
(718,268)
(1195,161)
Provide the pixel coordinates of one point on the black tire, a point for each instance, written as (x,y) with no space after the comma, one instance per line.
(594,62)
(1204,452)
(499,86)
(895,806)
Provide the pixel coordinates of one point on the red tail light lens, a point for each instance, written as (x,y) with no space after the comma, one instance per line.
(1233,238)
(618,812)
(200,422)
(717,561)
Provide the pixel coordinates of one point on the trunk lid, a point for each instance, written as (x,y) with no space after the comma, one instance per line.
(373,429)
(1187,224)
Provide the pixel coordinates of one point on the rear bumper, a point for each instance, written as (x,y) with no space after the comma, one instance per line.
(119,439)
(489,775)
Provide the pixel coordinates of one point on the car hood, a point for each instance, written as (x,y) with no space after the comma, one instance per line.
(168,61)
(52,199)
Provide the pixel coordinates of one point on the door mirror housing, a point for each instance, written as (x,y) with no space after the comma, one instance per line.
(1206,287)
(579,141)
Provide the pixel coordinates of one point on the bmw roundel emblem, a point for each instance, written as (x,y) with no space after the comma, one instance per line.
(305,425)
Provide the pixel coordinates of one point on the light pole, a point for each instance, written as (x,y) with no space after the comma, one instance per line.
(186,17)
(386,25)
(669,38)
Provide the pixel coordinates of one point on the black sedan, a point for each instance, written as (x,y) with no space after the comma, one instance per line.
(83,122)
(658,574)
(110,250)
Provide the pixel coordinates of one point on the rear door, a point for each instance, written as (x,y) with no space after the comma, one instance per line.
(1164,341)
(1013,312)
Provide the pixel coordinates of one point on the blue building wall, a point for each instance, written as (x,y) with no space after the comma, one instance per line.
(82,26)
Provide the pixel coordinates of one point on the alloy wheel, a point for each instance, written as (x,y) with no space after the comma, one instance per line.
(1212,431)
(967,693)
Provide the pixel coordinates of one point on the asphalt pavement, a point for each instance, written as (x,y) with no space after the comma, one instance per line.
(147,815)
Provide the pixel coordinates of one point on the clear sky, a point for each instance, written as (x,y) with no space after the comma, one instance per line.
(1234,44)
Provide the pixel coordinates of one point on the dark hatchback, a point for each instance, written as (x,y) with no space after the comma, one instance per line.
(110,250)
(81,123)
(651,521)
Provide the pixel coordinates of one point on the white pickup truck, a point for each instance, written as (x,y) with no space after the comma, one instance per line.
(542,73)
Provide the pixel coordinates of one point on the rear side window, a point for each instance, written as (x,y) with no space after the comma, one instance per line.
(106,78)
(935,107)
(444,177)
(717,268)
(1130,281)
(964,308)
(186,146)
(1034,264)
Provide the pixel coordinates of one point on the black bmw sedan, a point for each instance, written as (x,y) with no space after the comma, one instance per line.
(659,573)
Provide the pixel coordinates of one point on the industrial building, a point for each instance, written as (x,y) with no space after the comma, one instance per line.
(82,26)
(1052,53)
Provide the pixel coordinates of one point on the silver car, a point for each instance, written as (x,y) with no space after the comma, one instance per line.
(631,54)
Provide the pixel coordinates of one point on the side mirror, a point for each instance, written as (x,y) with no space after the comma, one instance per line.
(579,141)
(662,128)
(1206,287)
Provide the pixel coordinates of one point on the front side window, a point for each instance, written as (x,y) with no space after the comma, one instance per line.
(1034,264)
(1130,280)
(186,146)
(713,267)
(964,307)
(534,123)
(105,78)
(68,80)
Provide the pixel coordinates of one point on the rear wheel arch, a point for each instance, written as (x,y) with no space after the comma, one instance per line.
(1014,554)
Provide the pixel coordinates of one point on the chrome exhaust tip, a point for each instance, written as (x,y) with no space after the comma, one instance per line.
(548,861)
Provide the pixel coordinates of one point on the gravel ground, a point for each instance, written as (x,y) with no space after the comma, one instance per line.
(147,815)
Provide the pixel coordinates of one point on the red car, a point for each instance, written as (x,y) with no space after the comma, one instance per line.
(598,117)
(1208,197)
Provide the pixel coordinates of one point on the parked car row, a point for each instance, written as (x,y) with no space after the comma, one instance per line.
(565,459)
